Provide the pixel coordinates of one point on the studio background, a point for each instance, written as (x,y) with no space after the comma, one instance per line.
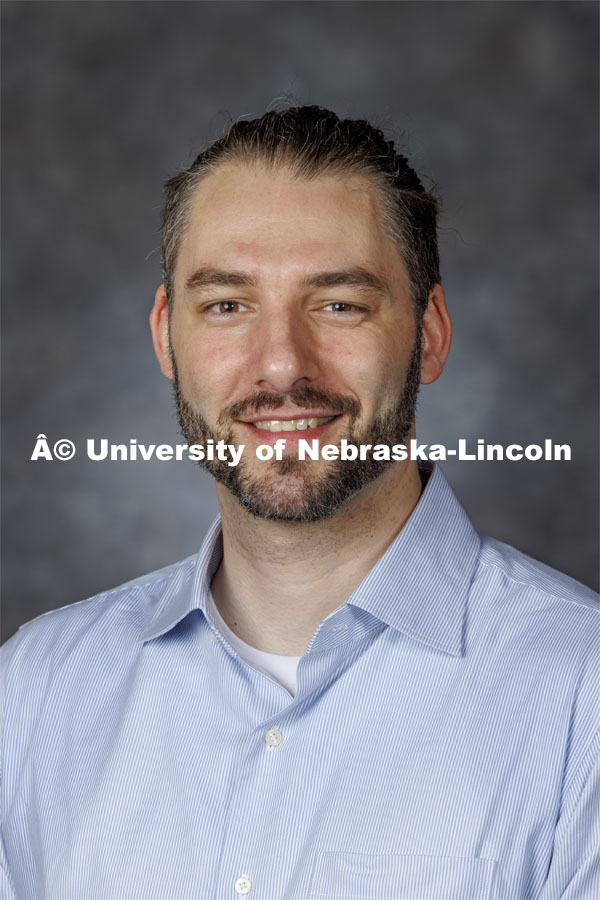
(102,101)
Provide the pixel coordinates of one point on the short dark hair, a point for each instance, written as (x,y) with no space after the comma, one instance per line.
(311,141)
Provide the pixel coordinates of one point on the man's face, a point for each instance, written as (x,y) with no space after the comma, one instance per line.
(292,319)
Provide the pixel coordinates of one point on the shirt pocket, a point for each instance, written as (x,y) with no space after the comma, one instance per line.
(390,876)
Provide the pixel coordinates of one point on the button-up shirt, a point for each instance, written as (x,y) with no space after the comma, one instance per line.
(443,743)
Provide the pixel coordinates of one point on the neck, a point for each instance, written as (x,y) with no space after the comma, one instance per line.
(279,580)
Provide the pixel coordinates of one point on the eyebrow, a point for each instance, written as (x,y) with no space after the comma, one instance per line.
(209,276)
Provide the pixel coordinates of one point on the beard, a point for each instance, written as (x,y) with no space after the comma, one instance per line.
(288,490)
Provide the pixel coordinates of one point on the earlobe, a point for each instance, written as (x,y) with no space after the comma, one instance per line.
(437,336)
(159,326)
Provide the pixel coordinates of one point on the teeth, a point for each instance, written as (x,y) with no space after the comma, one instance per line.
(291,424)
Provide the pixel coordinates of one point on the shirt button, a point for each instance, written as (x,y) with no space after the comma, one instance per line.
(213,637)
(273,737)
(243,885)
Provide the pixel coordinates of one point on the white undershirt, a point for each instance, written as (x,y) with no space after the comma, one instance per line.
(281,669)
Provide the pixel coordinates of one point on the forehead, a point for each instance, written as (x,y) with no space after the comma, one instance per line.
(267,221)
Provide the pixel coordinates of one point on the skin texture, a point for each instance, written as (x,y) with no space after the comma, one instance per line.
(281,338)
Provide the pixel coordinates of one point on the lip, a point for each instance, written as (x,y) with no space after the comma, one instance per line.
(291,437)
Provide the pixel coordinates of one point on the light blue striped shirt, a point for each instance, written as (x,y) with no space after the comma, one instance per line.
(443,743)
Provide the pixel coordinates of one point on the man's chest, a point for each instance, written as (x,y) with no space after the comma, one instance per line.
(374,783)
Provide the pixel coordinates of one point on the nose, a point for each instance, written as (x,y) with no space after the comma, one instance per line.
(286,352)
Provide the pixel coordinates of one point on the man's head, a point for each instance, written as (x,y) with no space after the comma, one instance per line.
(301,281)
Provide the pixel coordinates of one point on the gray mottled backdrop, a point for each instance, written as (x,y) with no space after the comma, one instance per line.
(496,101)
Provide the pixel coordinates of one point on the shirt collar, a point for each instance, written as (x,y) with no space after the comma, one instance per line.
(419,586)
(191,593)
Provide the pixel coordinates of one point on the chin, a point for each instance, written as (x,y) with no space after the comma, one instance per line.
(298,494)
(284,498)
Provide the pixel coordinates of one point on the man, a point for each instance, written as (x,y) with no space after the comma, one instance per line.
(347,693)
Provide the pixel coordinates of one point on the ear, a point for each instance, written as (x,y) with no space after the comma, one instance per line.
(159,326)
(437,335)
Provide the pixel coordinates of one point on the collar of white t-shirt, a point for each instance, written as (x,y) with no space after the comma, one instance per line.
(280,668)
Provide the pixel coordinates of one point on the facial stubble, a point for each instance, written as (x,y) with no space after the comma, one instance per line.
(288,490)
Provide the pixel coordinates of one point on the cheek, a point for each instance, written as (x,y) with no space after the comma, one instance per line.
(369,366)
(208,370)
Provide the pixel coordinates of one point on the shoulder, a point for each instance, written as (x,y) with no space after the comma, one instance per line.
(80,658)
(118,615)
(543,619)
(542,629)
(535,583)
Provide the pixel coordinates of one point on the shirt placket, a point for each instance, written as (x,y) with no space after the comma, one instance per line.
(270,752)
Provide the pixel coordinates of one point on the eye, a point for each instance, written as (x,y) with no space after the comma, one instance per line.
(227,307)
(340,306)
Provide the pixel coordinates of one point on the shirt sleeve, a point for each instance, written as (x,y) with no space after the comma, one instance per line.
(7,891)
(6,887)
(574,872)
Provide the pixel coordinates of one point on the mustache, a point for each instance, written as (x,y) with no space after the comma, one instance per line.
(302,397)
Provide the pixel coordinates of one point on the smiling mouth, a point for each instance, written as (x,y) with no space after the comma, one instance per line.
(275,425)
